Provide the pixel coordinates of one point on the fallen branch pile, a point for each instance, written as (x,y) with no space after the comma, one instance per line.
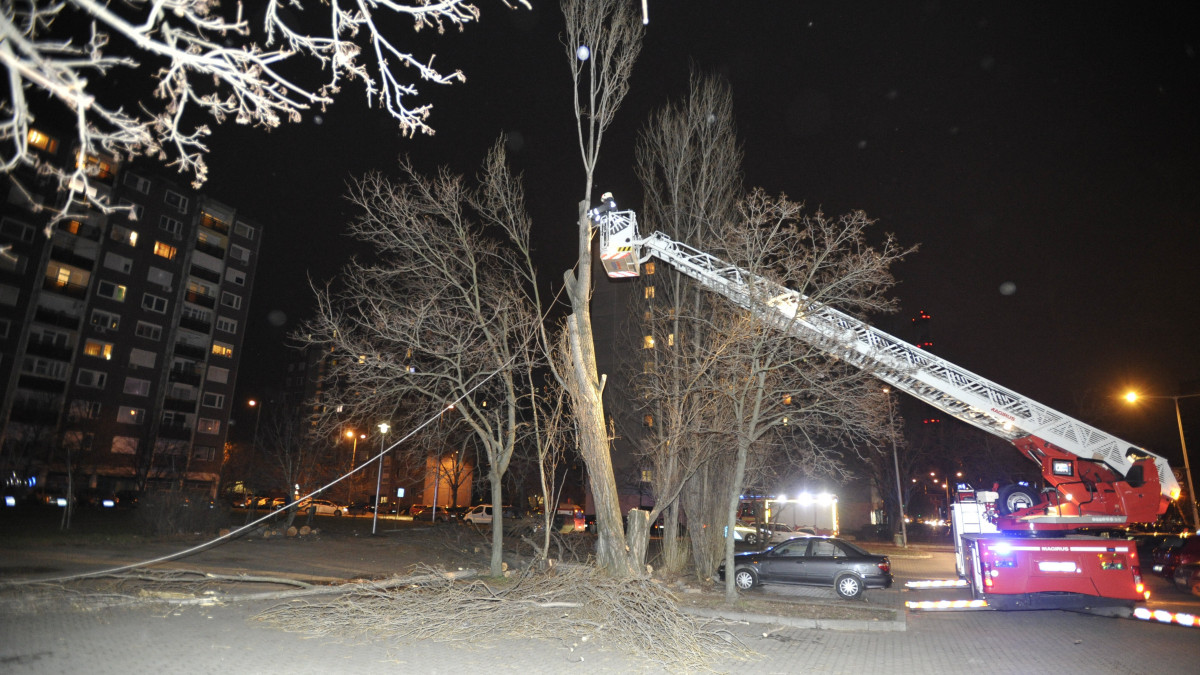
(574,603)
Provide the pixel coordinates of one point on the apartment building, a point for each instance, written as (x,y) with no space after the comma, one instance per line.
(120,332)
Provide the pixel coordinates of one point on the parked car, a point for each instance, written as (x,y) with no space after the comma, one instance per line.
(1163,556)
(813,561)
(777,533)
(745,532)
(324,507)
(431,514)
(1187,553)
(1187,578)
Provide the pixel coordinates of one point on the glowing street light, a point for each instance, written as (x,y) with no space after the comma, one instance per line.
(350,433)
(1133,397)
(383,429)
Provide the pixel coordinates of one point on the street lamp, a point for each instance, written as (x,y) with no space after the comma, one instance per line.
(350,433)
(896,460)
(1132,397)
(383,429)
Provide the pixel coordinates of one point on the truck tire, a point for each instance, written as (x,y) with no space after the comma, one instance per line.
(848,587)
(1016,497)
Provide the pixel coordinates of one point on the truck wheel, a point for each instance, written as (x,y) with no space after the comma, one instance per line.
(848,587)
(745,579)
(1016,497)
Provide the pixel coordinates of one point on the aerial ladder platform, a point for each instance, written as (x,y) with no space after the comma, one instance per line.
(1093,479)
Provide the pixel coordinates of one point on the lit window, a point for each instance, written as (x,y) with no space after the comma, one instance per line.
(207,426)
(671,340)
(648,421)
(123,235)
(648,267)
(648,342)
(63,278)
(164,250)
(98,349)
(649,292)
(221,349)
(128,415)
(41,141)
(647,475)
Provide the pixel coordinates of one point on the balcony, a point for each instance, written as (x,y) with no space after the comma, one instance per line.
(70,257)
(53,318)
(186,405)
(34,414)
(191,376)
(178,432)
(189,351)
(201,299)
(51,351)
(213,224)
(198,325)
(35,383)
(71,290)
(205,274)
(214,251)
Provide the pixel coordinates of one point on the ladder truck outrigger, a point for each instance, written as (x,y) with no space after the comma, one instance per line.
(1016,547)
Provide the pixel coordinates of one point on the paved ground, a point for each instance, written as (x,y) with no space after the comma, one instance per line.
(223,639)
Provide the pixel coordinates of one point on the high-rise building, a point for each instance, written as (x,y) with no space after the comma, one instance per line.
(120,332)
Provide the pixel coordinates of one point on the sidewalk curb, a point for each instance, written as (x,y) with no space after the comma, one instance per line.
(899,624)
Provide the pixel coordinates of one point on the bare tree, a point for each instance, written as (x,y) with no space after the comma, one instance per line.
(291,449)
(207,61)
(785,396)
(602,43)
(447,315)
(689,164)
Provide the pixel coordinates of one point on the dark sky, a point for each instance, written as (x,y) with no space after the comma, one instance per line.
(1043,155)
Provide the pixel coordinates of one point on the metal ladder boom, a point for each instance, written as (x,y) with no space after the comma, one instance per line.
(953,390)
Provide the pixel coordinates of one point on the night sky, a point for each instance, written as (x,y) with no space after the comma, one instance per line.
(1043,155)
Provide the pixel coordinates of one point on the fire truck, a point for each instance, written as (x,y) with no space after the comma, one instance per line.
(1018,547)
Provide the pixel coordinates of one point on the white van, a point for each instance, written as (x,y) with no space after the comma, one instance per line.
(480,514)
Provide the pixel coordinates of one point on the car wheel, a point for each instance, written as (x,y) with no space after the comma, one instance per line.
(745,579)
(1016,497)
(848,586)
(338,513)
(751,539)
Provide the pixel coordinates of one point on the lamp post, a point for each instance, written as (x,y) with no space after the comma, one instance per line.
(1132,397)
(350,433)
(383,429)
(896,461)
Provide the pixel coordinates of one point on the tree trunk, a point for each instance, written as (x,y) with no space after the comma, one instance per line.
(637,535)
(735,489)
(586,390)
(497,565)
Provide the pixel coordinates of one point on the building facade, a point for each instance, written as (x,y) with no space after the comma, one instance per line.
(120,332)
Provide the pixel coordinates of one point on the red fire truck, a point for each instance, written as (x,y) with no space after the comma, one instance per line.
(1018,546)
